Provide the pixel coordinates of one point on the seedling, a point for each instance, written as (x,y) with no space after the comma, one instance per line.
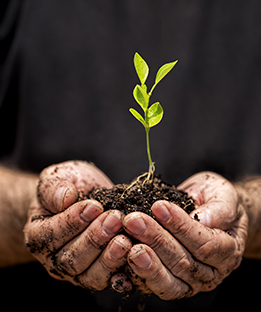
(154,113)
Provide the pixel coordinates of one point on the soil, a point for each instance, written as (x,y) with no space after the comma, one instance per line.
(141,195)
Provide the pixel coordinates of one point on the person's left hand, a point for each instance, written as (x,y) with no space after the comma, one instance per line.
(182,256)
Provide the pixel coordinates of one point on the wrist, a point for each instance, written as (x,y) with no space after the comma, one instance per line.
(17,189)
(249,197)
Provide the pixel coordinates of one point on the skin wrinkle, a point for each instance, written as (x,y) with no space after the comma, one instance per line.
(204,284)
(223,252)
(210,283)
(59,267)
(73,256)
(154,278)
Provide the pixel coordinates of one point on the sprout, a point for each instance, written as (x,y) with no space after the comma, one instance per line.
(154,113)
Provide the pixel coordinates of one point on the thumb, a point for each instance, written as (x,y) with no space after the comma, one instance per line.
(58,196)
(61,185)
(219,212)
(215,198)
(212,216)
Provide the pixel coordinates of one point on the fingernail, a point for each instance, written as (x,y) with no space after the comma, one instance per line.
(112,224)
(117,250)
(161,212)
(141,259)
(204,218)
(90,212)
(135,226)
(59,196)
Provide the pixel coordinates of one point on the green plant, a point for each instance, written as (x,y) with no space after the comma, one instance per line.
(154,113)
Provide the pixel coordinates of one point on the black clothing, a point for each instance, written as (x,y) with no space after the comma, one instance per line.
(66,81)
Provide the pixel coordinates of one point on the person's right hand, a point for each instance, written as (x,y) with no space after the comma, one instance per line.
(75,240)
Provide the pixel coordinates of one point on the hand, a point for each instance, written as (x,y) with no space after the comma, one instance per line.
(75,240)
(182,256)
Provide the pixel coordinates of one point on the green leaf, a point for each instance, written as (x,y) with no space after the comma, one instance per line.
(155,114)
(144,88)
(141,97)
(163,71)
(138,116)
(141,67)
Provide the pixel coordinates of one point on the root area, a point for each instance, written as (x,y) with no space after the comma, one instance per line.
(140,195)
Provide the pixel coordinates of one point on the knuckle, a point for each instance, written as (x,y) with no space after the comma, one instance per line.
(106,266)
(95,241)
(57,272)
(156,242)
(179,225)
(71,223)
(181,229)
(64,264)
(181,266)
(206,250)
(216,250)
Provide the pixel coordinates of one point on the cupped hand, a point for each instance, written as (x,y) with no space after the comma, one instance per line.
(75,240)
(179,256)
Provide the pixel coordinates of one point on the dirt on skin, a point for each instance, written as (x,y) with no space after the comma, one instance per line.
(141,195)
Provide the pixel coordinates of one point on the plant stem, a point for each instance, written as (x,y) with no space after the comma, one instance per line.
(153,87)
(148,146)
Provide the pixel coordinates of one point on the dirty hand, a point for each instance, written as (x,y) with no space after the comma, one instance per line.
(179,256)
(75,240)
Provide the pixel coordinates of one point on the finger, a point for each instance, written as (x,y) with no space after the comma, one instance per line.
(172,254)
(138,283)
(146,264)
(121,283)
(211,246)
(78,255)
(61,185)
(46,234)
(215,199)
(114,256)
(57,194)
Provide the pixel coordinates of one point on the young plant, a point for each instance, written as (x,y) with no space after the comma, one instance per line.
(154,113)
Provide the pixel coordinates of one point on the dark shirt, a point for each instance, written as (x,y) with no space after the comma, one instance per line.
(66,81)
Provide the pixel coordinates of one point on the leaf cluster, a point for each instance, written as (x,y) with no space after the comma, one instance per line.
(154,113)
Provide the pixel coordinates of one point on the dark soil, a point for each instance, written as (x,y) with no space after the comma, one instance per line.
(141,196)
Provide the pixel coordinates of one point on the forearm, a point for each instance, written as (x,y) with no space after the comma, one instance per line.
(16,191)
(249,192)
